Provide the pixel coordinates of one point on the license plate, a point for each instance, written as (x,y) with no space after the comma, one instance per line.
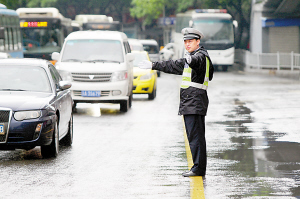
(90,93)
(2,129)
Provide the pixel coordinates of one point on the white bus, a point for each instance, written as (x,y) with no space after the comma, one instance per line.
(10,35)
(43,31)
(98,22)
(217,27)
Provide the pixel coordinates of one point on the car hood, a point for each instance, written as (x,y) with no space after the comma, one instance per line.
(87,67)
(138,71)
(20,100)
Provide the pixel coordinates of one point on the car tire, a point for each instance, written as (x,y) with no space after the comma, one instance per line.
(68,139)
(51,150)
(74,107)
(152,95)
(130,100)
(124,105)
(158,73)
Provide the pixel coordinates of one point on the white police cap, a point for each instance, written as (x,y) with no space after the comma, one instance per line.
(191,33)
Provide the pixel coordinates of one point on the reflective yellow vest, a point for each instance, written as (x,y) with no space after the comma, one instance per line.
(187,77)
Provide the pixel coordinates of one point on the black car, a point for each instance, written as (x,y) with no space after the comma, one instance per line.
(35,106)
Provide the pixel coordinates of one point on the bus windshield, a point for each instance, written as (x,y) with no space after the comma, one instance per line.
(215,31)
(41,40)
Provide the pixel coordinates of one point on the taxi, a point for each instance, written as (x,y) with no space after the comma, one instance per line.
(145,80)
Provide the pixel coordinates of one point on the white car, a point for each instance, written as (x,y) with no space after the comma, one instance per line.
(151,46)
(135,45)
(167,52)
(100,66)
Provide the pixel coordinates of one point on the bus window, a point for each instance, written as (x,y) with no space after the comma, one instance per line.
(9,31)
(6,39)
(19,38)
(10,39)
(2,39)
(182,22)
(15,39)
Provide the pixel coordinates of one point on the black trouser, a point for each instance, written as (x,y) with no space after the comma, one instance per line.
(195,130)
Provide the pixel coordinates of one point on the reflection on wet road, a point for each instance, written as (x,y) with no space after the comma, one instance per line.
(252,141)
(246,152)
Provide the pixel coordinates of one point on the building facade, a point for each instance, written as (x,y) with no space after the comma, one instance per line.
(275,26)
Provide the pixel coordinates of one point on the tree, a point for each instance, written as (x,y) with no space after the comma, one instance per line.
(148,10)
(241,11)
(152,9)
(14,4)
(41,3)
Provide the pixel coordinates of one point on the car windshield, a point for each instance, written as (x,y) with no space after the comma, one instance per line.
(24,78)
(138,58)
(93,50)
(151,49)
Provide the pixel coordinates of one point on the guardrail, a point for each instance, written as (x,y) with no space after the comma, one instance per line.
(271,61)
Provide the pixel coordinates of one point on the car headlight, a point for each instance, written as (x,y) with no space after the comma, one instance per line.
(119,76)
(65,75)
(146,76)
(26,115)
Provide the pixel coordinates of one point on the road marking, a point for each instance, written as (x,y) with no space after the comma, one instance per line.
(196,184)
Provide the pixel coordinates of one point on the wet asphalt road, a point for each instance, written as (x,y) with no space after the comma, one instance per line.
(252,131)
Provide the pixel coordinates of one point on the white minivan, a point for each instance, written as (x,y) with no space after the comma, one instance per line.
(100,66)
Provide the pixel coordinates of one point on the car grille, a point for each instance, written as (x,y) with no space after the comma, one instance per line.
(5,115)
(103,93)
(91,77)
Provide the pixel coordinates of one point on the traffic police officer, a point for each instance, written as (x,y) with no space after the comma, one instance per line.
(196,70)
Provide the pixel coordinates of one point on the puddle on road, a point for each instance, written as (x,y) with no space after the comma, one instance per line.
(269,167)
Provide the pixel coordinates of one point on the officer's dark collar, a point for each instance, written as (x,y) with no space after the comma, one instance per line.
(195,51)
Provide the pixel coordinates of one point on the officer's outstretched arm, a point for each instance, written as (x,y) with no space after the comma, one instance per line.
(173,67)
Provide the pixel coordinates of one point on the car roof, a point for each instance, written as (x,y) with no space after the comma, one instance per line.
(25,61)
(139,52)
(149,41)
(97,34)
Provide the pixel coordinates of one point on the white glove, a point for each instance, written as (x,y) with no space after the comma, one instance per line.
(145,64)
(188,58)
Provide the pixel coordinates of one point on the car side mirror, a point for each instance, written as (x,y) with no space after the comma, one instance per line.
(55,56)
(63,85)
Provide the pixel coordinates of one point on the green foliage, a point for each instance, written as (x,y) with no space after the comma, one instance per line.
(147,9)
(41,3)
(13,4)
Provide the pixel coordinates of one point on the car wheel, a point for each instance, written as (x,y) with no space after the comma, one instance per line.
(158,73)
(51,150)
(124,105)
(130,100)
(74,107)
(68,139)
(152,95)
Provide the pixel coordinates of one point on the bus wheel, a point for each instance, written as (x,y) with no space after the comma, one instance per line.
(224,68)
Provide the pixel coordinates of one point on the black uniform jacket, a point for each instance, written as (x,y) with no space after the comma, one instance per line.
(192,100)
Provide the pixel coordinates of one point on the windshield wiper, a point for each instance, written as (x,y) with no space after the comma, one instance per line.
(75,60)
(101,60)
(10,89)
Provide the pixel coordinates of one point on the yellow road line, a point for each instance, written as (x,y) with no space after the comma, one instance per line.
(196,184)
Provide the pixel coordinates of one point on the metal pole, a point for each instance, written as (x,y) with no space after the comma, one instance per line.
(278,61)
(258,61)
(292,60)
